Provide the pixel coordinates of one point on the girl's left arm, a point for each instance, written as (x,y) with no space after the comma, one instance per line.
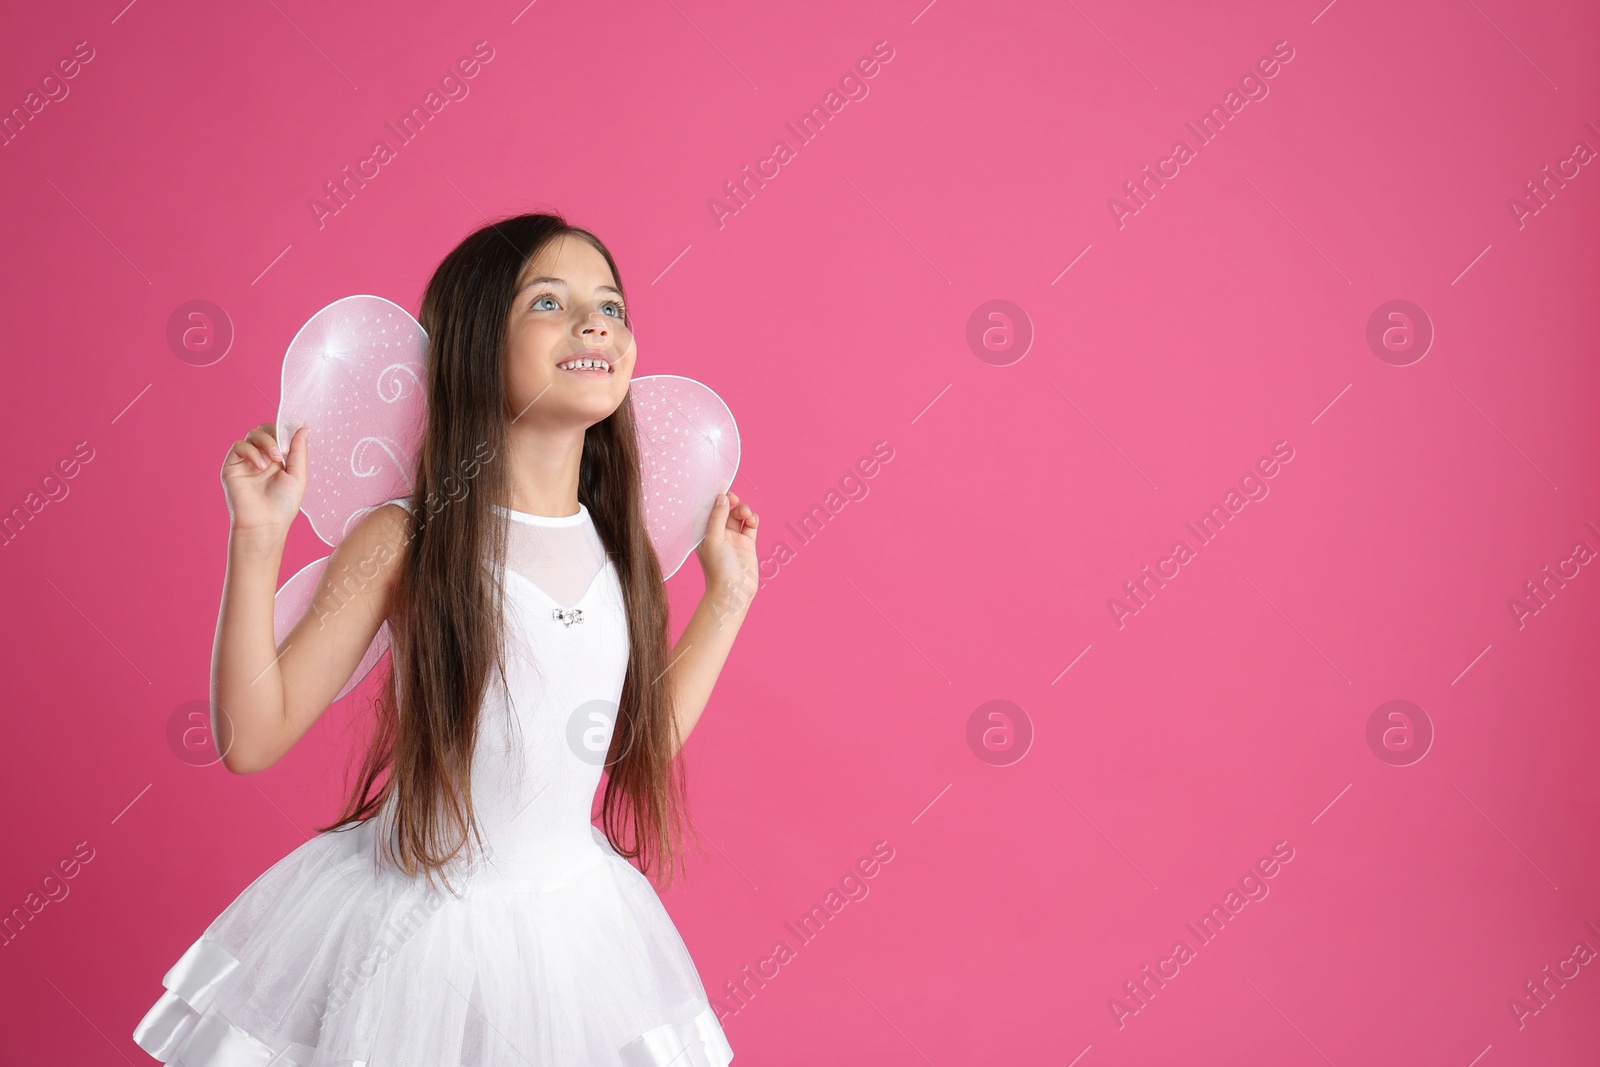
(728,559)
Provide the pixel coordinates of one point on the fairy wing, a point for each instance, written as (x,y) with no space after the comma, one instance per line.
(355,375)
(688,452)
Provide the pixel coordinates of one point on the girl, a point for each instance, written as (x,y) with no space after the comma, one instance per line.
(529,650)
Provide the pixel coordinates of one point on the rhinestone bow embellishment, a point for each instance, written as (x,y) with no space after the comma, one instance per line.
(567,616)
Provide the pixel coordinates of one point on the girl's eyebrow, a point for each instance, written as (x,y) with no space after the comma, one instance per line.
(562,281)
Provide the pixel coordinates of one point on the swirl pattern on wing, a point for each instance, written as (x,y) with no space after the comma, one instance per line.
(354,374)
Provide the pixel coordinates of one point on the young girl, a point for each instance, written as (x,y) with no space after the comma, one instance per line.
(529,650)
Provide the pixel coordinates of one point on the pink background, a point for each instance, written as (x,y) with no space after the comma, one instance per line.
(831,312)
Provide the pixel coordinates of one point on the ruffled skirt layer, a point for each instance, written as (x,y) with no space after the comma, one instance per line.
(327,960)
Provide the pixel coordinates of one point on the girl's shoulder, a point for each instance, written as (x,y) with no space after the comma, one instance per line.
(379,534)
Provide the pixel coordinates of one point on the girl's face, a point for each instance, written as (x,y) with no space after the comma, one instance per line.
(569,357)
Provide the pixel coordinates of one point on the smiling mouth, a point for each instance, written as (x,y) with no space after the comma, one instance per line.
(596,365)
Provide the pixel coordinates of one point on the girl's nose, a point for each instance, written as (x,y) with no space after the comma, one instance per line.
(595,325)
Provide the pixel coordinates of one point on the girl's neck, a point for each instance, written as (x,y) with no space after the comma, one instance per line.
(542,477)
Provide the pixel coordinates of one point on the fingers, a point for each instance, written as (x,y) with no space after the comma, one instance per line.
(250,454)
(299,447)
(259,447)
(265,439)
(742,515)
(717,524)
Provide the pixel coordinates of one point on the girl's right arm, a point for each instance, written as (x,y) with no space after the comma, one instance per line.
(265,696)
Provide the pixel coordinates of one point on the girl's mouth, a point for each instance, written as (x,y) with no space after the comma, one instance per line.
(592,366)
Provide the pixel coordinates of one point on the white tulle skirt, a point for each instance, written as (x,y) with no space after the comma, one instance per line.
(328,961)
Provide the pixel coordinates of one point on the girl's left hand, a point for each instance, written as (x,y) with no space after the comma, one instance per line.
(728,550)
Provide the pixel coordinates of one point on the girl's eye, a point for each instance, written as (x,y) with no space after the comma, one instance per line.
(539,304)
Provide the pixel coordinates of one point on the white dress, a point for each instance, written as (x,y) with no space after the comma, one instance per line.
(556,952)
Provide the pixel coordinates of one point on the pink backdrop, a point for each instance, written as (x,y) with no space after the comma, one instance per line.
(1415,494)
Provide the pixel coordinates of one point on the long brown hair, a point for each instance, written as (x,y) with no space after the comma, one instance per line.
(446,636)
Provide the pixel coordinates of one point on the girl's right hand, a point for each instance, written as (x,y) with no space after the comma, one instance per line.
(263,492)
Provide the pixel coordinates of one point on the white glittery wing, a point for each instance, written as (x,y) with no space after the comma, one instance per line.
(688,451)
(355,374)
